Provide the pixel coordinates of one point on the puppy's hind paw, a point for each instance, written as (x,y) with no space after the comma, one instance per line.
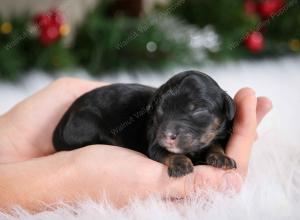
(220,161)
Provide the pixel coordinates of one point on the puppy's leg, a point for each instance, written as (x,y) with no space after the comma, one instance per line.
(80,129)
(216,157)
(178,164)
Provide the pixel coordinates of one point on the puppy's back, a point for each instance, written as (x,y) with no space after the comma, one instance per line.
(113,114)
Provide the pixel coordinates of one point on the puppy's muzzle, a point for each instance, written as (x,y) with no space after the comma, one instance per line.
(170,139)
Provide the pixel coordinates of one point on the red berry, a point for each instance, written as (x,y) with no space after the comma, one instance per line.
(49,35)
(255,42)
(268,8)
(42,20)
(57,17)
(49,24)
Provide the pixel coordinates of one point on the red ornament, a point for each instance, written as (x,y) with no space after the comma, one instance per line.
(42,20)
(57,18)
(267,8)
(250,6)
(49,25)
(49,35)
(255,42)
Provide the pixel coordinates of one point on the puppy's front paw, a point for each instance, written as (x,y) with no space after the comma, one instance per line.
(179,165)
(220,161)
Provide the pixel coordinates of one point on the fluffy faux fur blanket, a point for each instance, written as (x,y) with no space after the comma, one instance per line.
(272,189)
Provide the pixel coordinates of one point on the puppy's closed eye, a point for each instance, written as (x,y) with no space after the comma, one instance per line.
(199,111)
(196,109)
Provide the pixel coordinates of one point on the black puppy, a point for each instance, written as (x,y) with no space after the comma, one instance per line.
(186,121)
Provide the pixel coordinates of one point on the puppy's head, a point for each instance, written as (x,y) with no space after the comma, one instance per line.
(189,112)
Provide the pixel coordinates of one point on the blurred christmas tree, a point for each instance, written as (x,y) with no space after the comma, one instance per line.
(12,58)
(114,36)
(21,49)
(118,34)
(248,28)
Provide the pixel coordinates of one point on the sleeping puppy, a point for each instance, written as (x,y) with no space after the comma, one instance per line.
(190,121)
(186,121)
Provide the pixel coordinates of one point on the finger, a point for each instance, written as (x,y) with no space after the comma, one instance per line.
(203,178)
(207,177)
(244,129)
(264,105)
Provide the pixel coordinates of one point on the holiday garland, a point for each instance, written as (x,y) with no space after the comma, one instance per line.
(116,35)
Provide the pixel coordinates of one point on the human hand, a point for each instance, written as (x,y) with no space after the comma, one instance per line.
(26,130)
(95,169)
(151,177)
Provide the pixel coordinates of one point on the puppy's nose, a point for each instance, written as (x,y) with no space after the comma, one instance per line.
(170,139)
(172,136)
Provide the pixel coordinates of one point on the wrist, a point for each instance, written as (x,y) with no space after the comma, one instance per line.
(34,183)
(8,151)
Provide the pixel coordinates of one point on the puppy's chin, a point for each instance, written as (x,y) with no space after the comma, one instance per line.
(171,148)
(174,150)
(180,148)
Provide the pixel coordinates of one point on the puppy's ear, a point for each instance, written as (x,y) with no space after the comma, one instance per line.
(154,101)
(151,104)
(229,106)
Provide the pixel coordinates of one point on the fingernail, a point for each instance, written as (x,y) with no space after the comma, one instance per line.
(249,91)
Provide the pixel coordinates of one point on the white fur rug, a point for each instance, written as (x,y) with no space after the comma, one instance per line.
(272,190)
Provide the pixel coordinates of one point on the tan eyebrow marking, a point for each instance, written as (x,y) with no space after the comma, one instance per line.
(211,132)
